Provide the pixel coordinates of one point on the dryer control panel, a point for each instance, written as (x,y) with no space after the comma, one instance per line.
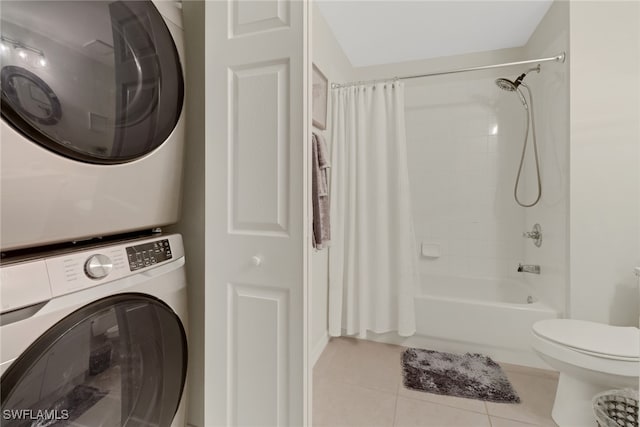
(34,281)
(148,254)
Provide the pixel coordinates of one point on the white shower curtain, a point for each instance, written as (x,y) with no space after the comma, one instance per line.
(373,259)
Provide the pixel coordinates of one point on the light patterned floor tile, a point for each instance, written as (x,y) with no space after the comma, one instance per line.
(503,422)
(337,404)
(412,412)
(536,394)
(324,361)
(366,363)
(456,402)
(508,367)
(359,383)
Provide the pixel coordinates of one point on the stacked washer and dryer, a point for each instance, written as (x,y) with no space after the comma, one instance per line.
(93,295)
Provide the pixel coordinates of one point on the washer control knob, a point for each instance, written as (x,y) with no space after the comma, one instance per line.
(98,266)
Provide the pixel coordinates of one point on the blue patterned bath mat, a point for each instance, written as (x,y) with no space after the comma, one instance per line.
(469,375)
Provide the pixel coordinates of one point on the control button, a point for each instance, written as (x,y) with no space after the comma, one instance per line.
(98,266)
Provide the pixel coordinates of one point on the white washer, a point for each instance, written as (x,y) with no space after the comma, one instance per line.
(92,128)
(96,337)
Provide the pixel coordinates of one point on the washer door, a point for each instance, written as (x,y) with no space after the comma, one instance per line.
(120,361)
(95,81)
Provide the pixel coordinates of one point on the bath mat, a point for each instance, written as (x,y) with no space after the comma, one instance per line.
(470,375)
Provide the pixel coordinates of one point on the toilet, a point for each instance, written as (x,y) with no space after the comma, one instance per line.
(591,357)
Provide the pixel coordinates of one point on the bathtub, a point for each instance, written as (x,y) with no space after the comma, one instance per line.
(489,316)
(495,315)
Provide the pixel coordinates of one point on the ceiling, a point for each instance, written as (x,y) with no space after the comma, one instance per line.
(383,32)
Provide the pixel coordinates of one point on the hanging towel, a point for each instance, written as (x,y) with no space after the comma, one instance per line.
(320,193)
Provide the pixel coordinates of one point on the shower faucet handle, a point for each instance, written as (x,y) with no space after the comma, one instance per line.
(535,234)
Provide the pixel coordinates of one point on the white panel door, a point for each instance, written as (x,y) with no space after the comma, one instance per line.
(256,251)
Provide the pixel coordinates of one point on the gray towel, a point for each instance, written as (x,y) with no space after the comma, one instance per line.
(320,193)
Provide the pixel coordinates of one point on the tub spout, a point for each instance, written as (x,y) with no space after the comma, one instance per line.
(535,269)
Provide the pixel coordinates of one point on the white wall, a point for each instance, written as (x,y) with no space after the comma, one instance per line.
(464,138)
(192,222)
(550,90)
(605,161)
(328,56)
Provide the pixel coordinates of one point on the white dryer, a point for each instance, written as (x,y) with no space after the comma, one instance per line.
(92,130)
(96,337)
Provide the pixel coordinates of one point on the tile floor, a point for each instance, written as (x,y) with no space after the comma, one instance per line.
(359,383)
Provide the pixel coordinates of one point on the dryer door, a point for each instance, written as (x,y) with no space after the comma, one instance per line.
(96,81)
(120,361)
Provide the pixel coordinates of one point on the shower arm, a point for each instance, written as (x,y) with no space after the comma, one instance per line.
(536,69)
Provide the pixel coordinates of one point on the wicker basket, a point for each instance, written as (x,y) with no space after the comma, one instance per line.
(616,408)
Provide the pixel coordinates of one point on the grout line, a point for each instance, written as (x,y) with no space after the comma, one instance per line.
(395,408)
(527,423)
(339,381)
(526,370)
(444,404)
(371,388)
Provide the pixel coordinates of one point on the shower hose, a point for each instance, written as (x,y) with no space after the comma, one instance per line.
(530,120)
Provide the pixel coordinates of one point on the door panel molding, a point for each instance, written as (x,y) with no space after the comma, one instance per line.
(257,342)
(259,146)
(251,18)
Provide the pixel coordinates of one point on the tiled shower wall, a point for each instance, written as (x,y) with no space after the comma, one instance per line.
(464,139)
(551,95)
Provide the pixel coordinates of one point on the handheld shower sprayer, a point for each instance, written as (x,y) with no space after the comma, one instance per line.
(514,86)
(508,85)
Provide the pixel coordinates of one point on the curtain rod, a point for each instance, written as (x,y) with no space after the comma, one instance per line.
(558,58)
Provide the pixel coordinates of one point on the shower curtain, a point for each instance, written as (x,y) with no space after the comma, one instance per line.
(373,272)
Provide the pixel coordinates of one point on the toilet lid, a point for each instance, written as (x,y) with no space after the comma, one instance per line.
(596,338)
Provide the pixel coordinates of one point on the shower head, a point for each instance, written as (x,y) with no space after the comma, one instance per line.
(508,85)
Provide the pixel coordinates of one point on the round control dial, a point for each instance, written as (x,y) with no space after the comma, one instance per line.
(98,266)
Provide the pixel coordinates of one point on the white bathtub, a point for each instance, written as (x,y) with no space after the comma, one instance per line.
(477,290)
(459,314)
(491,314)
